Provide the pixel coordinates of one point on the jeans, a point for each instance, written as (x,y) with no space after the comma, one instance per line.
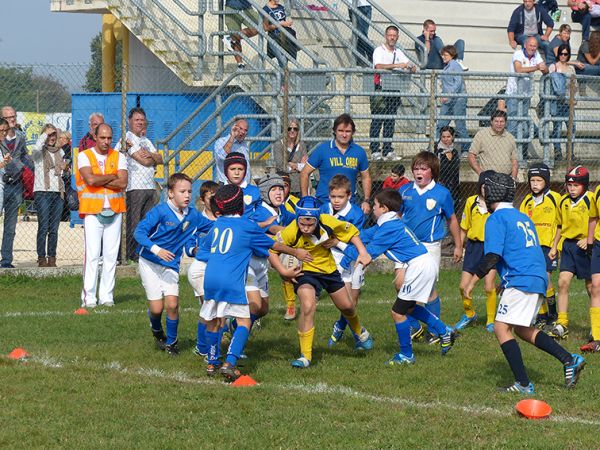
(544,46)
(139,202)
(434,59)
(589,69)
(515,127)
(587,21)
(1,192)
(49,207)
(455,107)
(363,47)
(560,112)
(383,106)
(13,197)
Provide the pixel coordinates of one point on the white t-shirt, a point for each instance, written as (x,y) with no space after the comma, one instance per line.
(524,85)
(84,161)
(140,176)
(382,55)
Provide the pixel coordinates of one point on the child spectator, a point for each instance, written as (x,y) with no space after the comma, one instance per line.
(396,179)
(512,245)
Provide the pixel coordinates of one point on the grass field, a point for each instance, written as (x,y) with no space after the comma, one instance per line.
(97,381)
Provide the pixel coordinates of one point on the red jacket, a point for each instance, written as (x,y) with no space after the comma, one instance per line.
(388,183)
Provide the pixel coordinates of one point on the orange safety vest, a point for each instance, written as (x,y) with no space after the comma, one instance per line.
(91,198)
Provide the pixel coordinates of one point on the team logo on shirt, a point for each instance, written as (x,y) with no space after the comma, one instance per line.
(247,199)
(185,225)
(430,204)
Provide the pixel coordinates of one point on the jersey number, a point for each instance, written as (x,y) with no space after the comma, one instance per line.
(530,239)
(221,242)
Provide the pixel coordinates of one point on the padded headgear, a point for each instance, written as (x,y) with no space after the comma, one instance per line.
(266,183)
(230,200)
(578,174)
(308,206)
(235,158)
(481,180)
(499,187)
(539,170)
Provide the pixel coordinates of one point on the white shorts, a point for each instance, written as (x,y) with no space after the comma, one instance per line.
(216,310)
(419,279)
(258,276)
(435,250)
(355,276)
(400,265)
(196,277)
(158,281)
(517,307)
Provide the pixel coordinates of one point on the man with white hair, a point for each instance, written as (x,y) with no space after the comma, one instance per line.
(89,140)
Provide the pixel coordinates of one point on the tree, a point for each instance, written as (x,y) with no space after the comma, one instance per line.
(93,77)
(26,90)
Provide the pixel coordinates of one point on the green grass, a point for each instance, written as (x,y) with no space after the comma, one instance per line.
(97,381)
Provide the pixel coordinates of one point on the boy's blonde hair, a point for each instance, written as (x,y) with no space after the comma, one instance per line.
(340,182)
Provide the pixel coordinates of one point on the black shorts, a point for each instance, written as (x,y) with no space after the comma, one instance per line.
(596,257)
(473,256)
(331,282)
(551,264)
(575,260)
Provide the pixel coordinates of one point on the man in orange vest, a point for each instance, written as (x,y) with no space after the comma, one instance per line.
(101,182)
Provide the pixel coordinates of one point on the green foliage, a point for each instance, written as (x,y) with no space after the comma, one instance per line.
(26,90)
(93,77)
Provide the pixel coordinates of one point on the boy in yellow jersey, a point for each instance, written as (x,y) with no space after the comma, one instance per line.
(541,205)
(311,231)
(575,209)
(593,346)
(472,227)
(288,260)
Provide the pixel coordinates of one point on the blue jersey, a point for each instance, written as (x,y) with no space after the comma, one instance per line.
(251,200)
(330,161)
(233,241)
(390,237)
(349,213)
(197,242)
(511,235)
(163,228)
(426,213)
(264,212)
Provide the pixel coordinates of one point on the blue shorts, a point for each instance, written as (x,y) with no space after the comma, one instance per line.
(331,282)
(473,256)
(551,264)
(595,266)
(575,260)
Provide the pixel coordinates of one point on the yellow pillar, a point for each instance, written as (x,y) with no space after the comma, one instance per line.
(122,34)
(108,53)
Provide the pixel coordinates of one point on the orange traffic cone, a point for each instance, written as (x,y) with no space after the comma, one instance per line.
(18,353)
(81,312)
(244,381)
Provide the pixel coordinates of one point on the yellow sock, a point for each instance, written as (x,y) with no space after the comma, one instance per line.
(544,307)
(354,323)
(563,319)
(306,342)
(595,321)
(490,306)
(288,294)
(468,307)
(550,292)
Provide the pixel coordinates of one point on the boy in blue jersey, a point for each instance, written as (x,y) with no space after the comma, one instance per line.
(235,167)
(512,246)
(233,240)
(427,207)
(391,236)
(162,235)
(340,207)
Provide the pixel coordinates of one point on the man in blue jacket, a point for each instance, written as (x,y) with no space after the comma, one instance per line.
(526,21)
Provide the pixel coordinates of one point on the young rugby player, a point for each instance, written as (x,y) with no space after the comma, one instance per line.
(235,167)
(472,226)
(288,288)
(593,345)
(541,205)
(310,230)
(393,238)
(575,209)
(162,235)
(512,246)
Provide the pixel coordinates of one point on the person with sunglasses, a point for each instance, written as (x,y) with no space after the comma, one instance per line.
(296,155)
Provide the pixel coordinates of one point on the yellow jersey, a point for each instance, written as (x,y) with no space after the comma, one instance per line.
(290,203)
(597,203)
(544,213)
(473,219)
(327,227)
(573,217)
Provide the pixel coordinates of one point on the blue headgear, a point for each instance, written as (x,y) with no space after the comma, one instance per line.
(308,206)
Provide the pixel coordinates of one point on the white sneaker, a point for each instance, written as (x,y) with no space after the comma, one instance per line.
(462,65)
(227,42)
(106,304)
(376,156)
(389,157)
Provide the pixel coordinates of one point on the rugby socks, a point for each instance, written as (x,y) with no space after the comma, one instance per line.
(354,323)
(434,324)
(253,318)
(468,307)
(512,353)
(595,322)
(435,307)
(172,325)
(563,319)
(551,299)
(404,340)
(543,308)
(341,323)
(550,346)
(490,306)
(306,342)
(289,294)
(155,321)
(213,341)
(201,345)
(414,323)
(237,344)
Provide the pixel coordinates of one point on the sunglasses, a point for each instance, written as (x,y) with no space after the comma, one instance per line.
(9,117)
(293,128)
(563,54)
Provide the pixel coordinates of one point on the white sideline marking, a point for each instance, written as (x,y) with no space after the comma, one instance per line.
(311,389)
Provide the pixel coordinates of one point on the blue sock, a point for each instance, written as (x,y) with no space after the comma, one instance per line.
(341,322)
(403,332)
(253,318)
(172,325)
(435,307)
(213,342)
(237,344)
(434,324)
(201,338)
(155,321)
(413,323)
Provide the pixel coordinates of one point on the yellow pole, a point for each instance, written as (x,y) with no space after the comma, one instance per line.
(108,53)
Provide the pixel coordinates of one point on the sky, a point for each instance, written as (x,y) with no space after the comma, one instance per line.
(31,33)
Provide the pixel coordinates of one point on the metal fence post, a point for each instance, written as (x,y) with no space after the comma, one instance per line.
(432,110)
(124,84)
(570,136)
(285,115)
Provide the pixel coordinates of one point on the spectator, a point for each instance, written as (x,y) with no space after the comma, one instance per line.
(142,159)
(235,21)
(589,55)
(453,83)
(5,158)
(363,45)
(49,189)
(297,155)
(235,141)
(64,142)
(386,57)
(340,156)
(14,144)
(274,9)
(101,181)
(88,141)
(580,13)
(526,21)
(449,163)
(563,37)
(396,179)
(494,148)
(434,46)
(526,60)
